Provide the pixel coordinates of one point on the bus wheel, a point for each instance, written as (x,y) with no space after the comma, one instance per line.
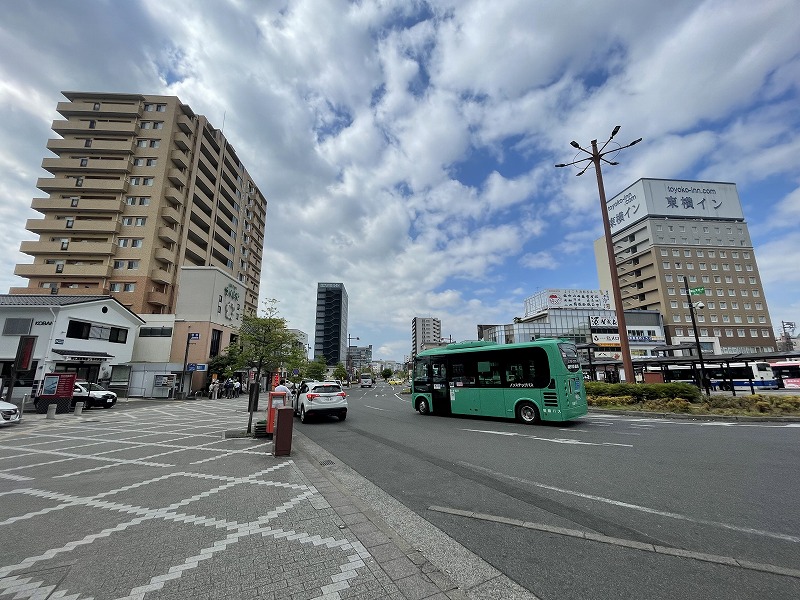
(527,413)
(422,407)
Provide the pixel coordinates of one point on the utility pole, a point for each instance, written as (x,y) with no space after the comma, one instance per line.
(595,157)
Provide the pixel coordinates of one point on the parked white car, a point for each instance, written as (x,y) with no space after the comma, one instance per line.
(320,398)
(9,413)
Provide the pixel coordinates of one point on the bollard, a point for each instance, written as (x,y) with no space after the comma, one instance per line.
(51,411)
(78,409)
(282,440)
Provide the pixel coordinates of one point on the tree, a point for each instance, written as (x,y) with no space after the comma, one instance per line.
(386,373)
(224,364)
(340,372)
(317,369)
(266,344)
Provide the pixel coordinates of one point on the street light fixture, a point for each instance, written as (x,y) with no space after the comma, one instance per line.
(692,306)
(595,157)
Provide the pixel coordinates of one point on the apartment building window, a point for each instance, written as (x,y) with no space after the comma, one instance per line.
(149,107)
(723,305)
(115,287)
(129,287)
(140,221)
(119,264)
(142,143)
(127,221)
(133,265)
(726,267)
(136,242)
(136,181)
(151,162)
(722,253)
(735,305)
(70,222)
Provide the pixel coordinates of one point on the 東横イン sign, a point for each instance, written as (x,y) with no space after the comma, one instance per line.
(696,291)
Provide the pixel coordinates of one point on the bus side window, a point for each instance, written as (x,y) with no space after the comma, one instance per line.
(489,373)
(439,371)
(461,375)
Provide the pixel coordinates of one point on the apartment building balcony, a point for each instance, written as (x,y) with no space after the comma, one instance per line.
(164,255)
(185,124)
(63,270)
(86,184)
(49,225)
(168,235)
(75,126)
(180,159)
(182,141)
(46,205)
(79,145)
(67,248)
(86,108)
(177,177)
(57,165)
(160,276)
(171,215)
(158,298)
(175,195)
(39,291)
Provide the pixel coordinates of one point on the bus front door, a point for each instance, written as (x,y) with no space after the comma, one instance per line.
(440,396)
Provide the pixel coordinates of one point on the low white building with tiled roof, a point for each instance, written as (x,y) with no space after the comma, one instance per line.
(87,335)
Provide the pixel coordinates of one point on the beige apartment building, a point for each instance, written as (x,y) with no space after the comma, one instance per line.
(141,186)
(667,234)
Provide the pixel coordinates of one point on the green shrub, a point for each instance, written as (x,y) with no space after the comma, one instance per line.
(644,391)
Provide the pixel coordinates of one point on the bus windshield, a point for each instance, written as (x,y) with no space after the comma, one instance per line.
(569,352)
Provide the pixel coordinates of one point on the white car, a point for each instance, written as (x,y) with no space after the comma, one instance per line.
(366,381)
(93,394)
(9,413)
(320,398)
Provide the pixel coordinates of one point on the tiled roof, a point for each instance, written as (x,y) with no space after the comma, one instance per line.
(45,299)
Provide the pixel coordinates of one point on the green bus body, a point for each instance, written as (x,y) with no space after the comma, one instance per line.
(532,381)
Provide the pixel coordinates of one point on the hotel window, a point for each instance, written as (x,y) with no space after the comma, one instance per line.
(740,280)
(752,280)
(690,266)
(726,267)
(734,254)
(723,254)
(703,266)
(700,253)
(705,279)
(711,305)
(747,306)
(744,293)
(711,253)
(748,267)
(728,279)
(737,318)
(765,333)
(687,318)
(679,331)
(673,304)
(745,255)
(676,318)
(726,319)
(729,333)
(701,318)
(717,279)
(720,292)
(714,267)
(704,332)
(735,305)
(671,291)
(723,305)
(665,265)
(754,333)
(692,278)
(751,319)
(762,319)
(740,332)
(731,292)
(664,252)
(678,265)
(676,252)
(668,277)
(759,306)
(717,331)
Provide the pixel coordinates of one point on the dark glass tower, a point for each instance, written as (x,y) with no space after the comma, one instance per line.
(330,335)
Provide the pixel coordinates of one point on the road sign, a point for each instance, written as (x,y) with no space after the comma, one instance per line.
(696,291)
(194,336)
(191,367)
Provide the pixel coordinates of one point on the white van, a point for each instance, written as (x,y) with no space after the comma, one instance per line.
(366,380)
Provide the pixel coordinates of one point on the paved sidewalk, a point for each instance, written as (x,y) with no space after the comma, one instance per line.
(153,501)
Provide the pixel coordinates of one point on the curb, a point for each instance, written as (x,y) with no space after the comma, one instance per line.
(694,417)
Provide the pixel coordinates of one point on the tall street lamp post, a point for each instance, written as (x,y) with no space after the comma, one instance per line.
(692,306)
(349,358)
(595,157)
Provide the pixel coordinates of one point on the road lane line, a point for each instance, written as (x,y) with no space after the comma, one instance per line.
(604,539)
(778,536)
(374,407)
(554,440)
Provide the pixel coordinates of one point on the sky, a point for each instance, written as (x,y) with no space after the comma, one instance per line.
(407,148)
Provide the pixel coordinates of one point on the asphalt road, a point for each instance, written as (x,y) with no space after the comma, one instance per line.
(689,509)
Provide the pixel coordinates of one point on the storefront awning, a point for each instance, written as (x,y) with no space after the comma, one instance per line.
(83,355)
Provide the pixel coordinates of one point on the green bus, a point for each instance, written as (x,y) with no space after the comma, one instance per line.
(531,382)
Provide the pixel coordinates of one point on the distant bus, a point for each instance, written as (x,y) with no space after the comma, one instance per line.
(787,373)
(736,375)
(531,382)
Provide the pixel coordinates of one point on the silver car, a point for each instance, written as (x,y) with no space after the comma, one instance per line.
(9,413)
(320,398)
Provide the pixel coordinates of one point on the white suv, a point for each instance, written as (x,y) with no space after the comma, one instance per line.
(320,398)
(366,380)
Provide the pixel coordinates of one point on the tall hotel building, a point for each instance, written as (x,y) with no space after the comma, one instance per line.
(666,231)
(141,187)
(425,332)
(330,335)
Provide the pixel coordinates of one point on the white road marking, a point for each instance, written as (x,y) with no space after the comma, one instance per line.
(645,509)
(374,407)
(554,440)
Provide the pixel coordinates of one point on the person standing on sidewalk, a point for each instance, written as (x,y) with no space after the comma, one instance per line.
(281,387)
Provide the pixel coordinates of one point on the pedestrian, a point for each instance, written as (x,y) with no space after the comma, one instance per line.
(228,388)
(281,387)
(237,387)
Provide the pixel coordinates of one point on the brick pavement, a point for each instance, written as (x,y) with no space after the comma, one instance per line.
(153,501)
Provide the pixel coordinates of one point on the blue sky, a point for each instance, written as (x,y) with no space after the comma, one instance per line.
(406,148)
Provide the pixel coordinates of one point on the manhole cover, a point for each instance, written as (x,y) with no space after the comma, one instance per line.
(326,463)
